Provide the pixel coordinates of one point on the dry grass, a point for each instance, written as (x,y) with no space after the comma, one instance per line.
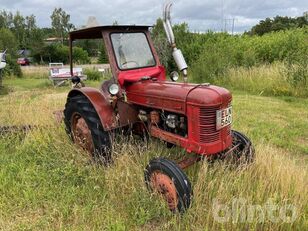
(263,80)
(46,183)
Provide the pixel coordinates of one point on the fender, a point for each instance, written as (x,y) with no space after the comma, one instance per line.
(100,102)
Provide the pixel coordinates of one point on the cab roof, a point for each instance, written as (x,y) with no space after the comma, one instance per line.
(96,32)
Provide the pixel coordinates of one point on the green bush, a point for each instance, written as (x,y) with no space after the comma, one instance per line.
(80,56)
(221,52)
(60,53)
(12,68)
(93,74)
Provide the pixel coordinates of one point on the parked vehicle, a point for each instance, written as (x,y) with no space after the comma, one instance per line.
(23,61)
(196,117)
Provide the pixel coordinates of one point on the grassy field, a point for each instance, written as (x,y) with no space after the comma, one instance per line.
(46,183)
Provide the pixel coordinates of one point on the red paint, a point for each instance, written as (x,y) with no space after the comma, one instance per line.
(197,102)
(100,102)
(132,76)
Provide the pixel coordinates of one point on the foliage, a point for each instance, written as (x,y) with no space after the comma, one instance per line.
(8,41)
(12,68)
(222,51)
(24,28)
(60,22)
(103,57)
(93,74)
(278,23)
(80,56)
(161,44)
(60,53)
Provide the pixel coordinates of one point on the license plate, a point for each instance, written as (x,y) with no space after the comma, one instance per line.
(223,118)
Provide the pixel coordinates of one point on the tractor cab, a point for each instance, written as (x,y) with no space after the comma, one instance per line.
(131,54)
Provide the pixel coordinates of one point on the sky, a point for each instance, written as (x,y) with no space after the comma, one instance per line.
(201,15)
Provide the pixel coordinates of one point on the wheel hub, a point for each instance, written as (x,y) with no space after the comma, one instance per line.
(81,133)
(162,183)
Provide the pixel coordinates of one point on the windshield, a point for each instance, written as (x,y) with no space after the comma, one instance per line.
(132,50)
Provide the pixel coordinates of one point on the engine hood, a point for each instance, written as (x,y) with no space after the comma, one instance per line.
(176,96)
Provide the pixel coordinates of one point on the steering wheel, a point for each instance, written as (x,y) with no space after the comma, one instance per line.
(134,62)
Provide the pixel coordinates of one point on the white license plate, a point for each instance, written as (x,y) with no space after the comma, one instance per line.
(223,118)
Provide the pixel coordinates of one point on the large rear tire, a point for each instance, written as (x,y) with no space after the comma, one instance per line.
(168,179)
(85,128)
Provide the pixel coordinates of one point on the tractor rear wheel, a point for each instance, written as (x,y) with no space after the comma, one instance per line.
(167,179)
(243,151)
(85,128)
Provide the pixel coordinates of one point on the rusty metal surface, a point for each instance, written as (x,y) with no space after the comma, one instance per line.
(101,103)
(154,117)
(127,113)
(81,133)
(191,146)
(185,163)
(162,184)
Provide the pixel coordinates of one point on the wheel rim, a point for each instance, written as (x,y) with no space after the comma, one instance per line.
(162,183)
(81,133)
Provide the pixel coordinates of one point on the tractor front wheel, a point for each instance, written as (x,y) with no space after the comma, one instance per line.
(242,150)
(167,179)
(85,128)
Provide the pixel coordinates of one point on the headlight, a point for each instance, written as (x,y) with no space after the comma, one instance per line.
(113,89)
(174,76)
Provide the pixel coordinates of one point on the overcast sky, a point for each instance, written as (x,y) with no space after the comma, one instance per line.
(201,15)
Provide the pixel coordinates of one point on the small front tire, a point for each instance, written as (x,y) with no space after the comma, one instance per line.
(242,150)
(168,179)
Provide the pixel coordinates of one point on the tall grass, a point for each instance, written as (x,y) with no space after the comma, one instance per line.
(47,183)
(247,60)
(268,79)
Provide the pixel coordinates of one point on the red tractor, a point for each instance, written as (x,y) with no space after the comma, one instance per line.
(196,117)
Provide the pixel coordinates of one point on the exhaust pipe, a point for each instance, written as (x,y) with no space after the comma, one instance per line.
(176,53)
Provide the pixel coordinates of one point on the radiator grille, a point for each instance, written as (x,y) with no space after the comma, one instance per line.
(207,117)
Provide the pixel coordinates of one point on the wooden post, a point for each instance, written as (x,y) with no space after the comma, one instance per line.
(71,55)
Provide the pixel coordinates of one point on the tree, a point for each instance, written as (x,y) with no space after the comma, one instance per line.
(6,19)
(60,22)
(19,29)
(8,41)
(160,42)
(278,23)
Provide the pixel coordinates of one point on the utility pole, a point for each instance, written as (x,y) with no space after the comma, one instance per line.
(232,20)
(233,25)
